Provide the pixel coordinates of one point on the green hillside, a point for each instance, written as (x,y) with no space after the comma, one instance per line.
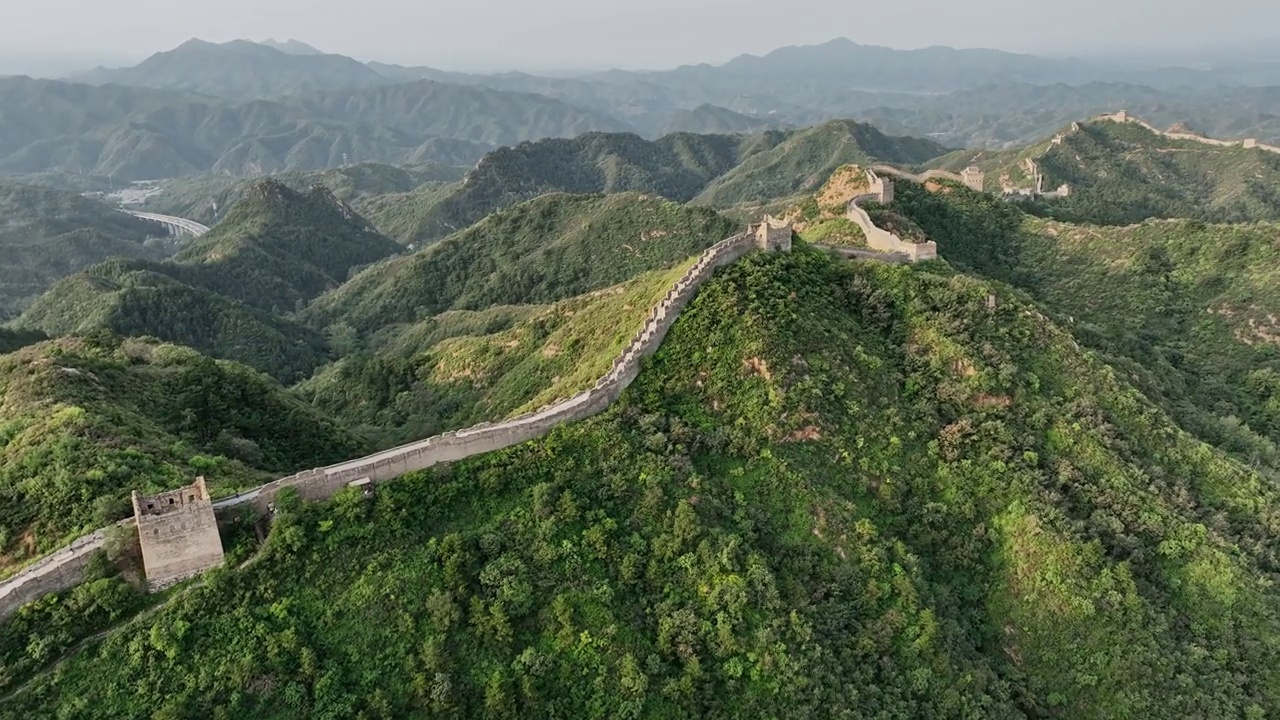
(554,247)
(720,170)
(87,420)
(675,167)
(134,133)
(1124,173)
(837,485)
(801,161)
(279,248)
(1187,311)
(360,186)
(463,367)
(49,234)
(146,299)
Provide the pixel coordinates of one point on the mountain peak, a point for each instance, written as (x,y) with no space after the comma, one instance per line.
(291,47)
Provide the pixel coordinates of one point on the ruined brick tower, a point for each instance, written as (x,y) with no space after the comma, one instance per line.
(973,177)
(178,533)
(773,235)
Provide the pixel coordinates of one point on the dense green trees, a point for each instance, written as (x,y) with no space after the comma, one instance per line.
(87,420)
(547,249)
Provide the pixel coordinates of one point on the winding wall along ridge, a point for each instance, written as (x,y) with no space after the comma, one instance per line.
(881,190)
(1248,143)
(65,568)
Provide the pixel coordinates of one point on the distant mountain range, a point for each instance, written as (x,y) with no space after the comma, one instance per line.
(246,109)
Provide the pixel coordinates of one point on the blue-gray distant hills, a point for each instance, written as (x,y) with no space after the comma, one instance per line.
(245,109)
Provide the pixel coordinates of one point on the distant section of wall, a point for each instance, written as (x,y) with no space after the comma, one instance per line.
(178,533)
(881,190)
(1124,117)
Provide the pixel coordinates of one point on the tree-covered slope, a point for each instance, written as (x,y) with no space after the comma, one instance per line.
(206,198)
(1123,173)
(1187,311)
(802,160)
(151,299)
(554,247)
(676,166)
(87,420)
(720,170)
(49,234)
(838,488)
(463,367)
(278,247)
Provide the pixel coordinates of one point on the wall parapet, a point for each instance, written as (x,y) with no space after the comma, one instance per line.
(881,190)
(64,568)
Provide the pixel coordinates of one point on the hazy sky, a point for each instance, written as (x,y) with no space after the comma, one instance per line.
(544,34)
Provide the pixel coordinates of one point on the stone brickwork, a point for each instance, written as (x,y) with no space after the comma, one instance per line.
(973,178)
(178,534)
(881,190)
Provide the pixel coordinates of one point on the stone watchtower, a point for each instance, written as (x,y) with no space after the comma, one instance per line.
(773,235)
(178,534)
(973,178)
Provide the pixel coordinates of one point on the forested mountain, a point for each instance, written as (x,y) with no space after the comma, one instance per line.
(897,491)
(1123,173)
(554,247)
(365,186)
(716,169)
(88,420)
(778,165)
(133,133)
(238,70)
(1184,310)
(161,300)
(225,293)
(463,367)
(279,248)
(48,234)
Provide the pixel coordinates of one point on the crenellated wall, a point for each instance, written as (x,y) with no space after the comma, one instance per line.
(1124,117)
(881,190)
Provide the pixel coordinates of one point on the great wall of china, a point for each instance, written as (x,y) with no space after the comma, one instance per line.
(1124,117)
(65,568)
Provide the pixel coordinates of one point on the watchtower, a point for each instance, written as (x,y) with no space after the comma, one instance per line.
(973,177)
(178,533)
(773,235)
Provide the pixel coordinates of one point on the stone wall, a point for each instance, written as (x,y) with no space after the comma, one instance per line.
(59,571)
(881,190)
(64,569)
(1248,143)
(178,533)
